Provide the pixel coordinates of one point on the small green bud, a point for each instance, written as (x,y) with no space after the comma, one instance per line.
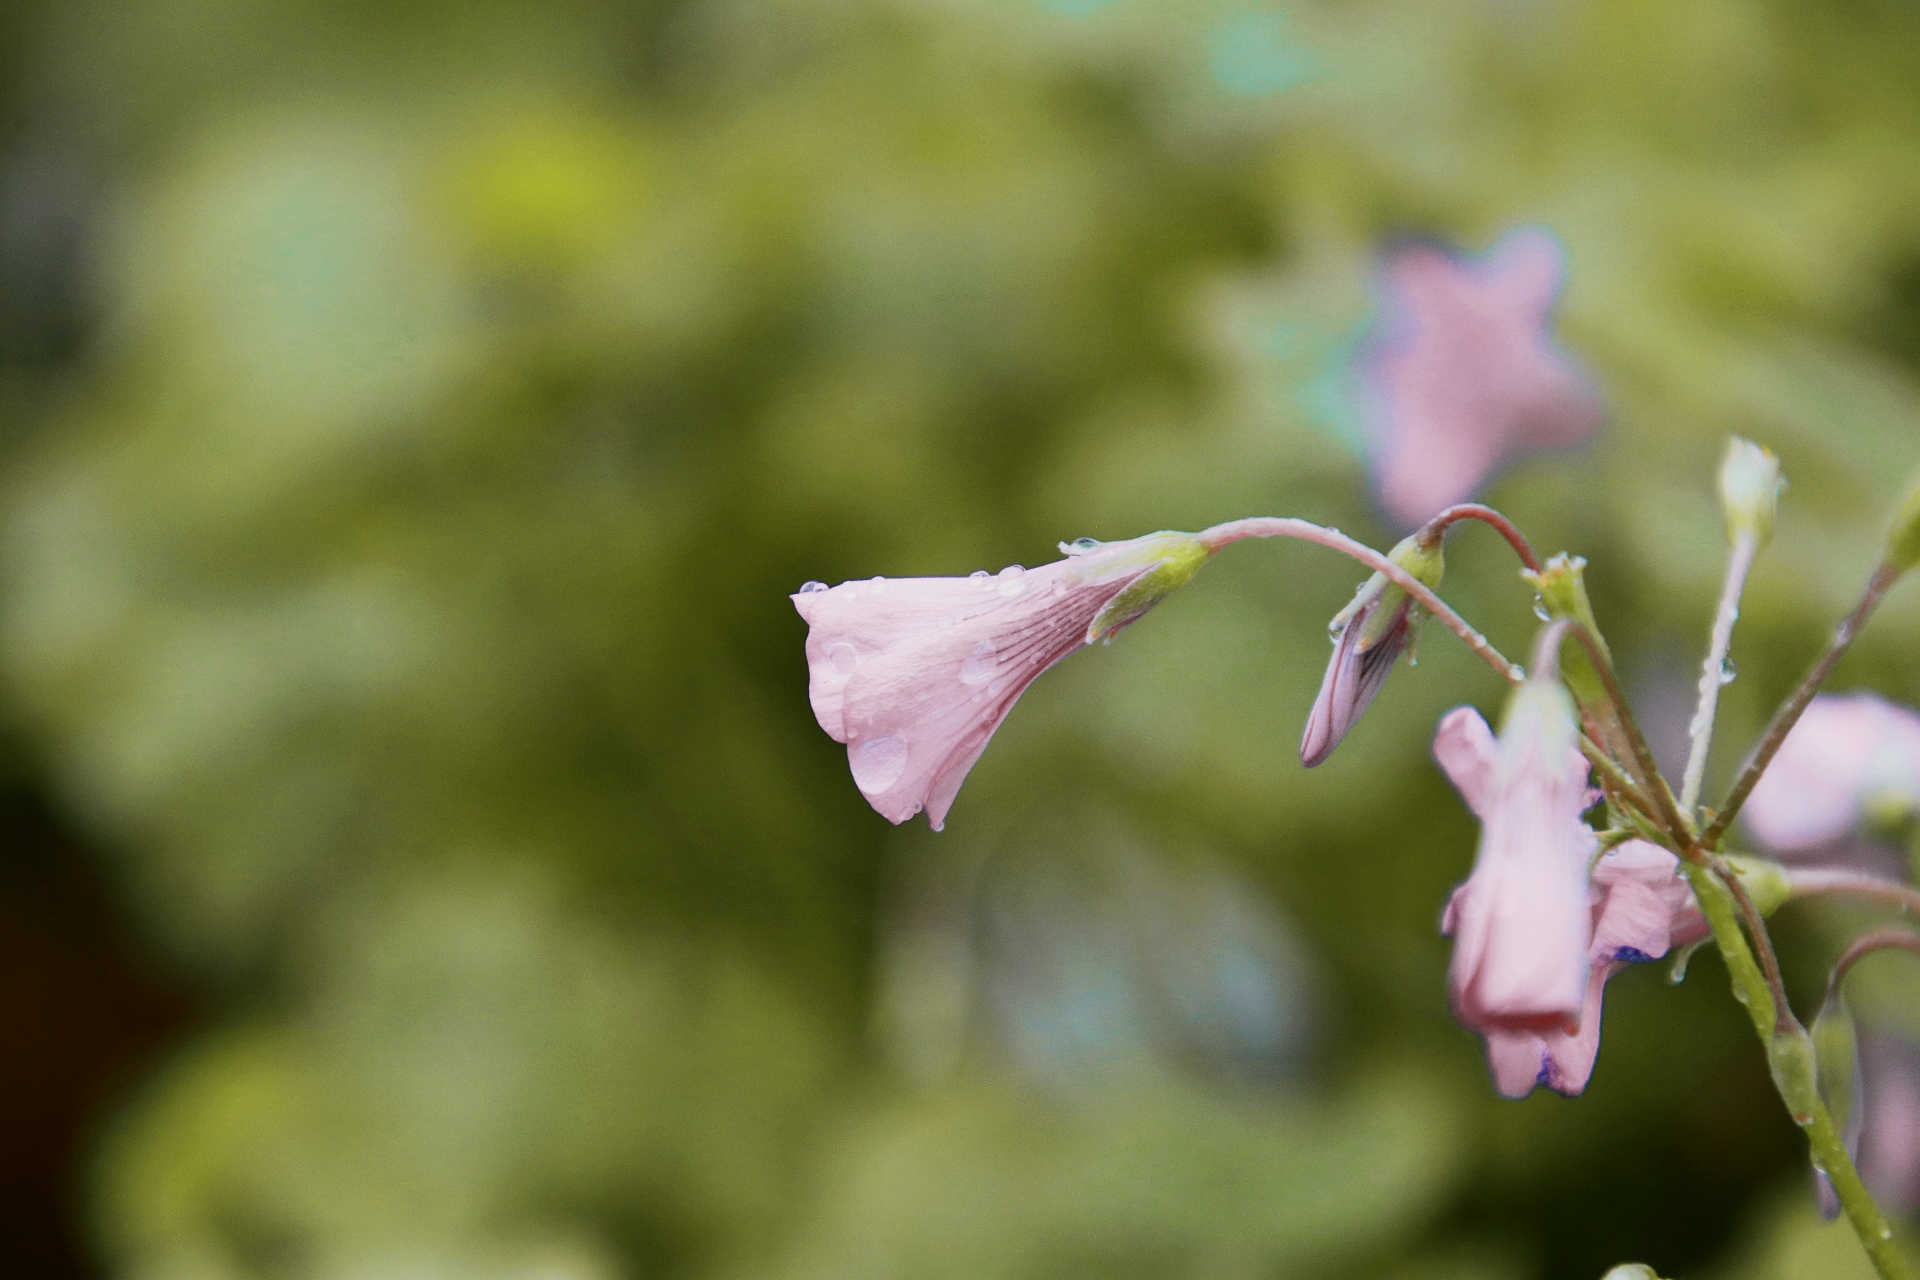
(1171,559)
(1750,484)
(1903,543)
(1836,1057)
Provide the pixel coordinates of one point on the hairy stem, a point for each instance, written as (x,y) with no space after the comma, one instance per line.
(1712,674)
(1793,1077)
(1789,713)
(1436,528)
(1286,527)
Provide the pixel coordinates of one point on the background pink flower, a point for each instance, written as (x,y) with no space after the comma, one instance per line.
(1846,752)
(1461,373)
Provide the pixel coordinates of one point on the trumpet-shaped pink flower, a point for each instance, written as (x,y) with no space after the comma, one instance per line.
(915,674)
(1461,373)
(1635,907)
(1849,756)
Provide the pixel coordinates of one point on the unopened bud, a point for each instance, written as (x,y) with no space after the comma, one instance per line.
(1750,484)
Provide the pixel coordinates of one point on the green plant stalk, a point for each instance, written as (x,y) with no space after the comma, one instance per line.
(1793,1076)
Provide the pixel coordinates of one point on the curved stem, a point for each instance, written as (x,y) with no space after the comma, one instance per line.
(1807,884)
(1287,527)
(1865,945)
(1745,547)
(1789,713)
(1436,528)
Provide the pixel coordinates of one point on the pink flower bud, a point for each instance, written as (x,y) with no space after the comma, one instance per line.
(1370,634)
(915,674)
(1849,757)
(1461,371)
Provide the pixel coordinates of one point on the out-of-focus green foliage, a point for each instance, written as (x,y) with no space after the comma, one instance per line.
(394,587)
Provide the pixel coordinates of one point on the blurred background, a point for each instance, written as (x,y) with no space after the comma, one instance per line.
(417,855)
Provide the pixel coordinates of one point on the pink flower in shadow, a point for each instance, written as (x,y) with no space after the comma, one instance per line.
(1460,373)
(1571,931)
(1850,757)
(915,674)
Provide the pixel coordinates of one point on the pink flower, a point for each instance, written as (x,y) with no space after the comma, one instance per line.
(1850,757)
(1573,932)
(915,674)
(1889,1113)
(1461,372)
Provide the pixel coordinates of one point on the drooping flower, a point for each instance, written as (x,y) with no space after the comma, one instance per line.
(1370,634)
(1521,923)
(915,674)
(1851,758)
(1636,907)
(1460,373)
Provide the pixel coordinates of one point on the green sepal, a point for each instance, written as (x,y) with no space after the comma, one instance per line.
(1173,559)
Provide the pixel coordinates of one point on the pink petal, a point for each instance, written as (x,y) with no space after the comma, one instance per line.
(1464,746)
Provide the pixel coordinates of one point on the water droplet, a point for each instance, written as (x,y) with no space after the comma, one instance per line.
(1540,609)
(979,575)
(809,588)
(1412,661)
(1886,1232)
(1516,672)
(1678,974)
(1012,581)
(877,584)
(980,664)
(878,763)
(1727,673)
(1081,546)
(997,685)
(1843,634)
(844,657)
(947,619)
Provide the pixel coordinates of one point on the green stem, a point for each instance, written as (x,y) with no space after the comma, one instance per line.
(1792,1062)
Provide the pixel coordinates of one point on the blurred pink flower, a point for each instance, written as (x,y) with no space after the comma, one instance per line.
(1849,756)
(1461,373)
(1889,1111)
(915,674)
(1635,907)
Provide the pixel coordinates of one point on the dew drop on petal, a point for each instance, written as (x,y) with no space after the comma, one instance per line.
(809,588)
(979,575)
(877,584)
(1540,609)
(980,664)
(1081,546)
(1727,673)
(1012,581)
(878,763)
(843,657)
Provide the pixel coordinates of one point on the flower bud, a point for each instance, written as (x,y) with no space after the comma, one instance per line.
(1750,484)
(1836,1061)
(1380,623)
